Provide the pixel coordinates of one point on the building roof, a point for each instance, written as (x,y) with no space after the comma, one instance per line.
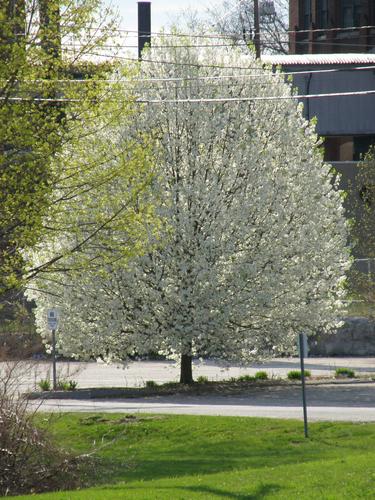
(308,59)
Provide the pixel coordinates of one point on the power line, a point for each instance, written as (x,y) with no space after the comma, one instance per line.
(264,42)
(257,98)
(234,34)
(202,100)
(212,66)
(159,46)
(133,59)
(261,73)
(323,43)
(129,32)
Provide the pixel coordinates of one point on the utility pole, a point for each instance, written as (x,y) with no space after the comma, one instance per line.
(256,29)
(144,26)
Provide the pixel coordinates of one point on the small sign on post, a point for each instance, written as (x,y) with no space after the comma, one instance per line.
(53,323)
(52,319)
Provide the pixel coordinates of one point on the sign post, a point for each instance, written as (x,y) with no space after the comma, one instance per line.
(302,355)
(53,322)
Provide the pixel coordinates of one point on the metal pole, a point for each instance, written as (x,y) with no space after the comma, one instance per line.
(301,355)
(256,29)
(144,26)
(54,360)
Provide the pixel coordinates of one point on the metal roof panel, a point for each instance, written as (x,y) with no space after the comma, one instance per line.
(308,59)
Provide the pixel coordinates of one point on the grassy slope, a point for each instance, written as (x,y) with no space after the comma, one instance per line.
(188,457)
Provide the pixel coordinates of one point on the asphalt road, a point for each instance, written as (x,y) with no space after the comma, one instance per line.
(347,402)
(329,402)
(135,374)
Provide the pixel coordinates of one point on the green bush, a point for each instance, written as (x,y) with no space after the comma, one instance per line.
(44,384)
(262,375)
(344,372)
(246,378)
(62,385)
(150,384)
(72,385)
(297,375)
(202,379)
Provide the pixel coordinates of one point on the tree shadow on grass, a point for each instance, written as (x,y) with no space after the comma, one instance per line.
(215,459)
(210,492)
(261,491)
(180,448)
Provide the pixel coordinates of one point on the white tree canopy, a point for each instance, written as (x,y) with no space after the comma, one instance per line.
(253,246)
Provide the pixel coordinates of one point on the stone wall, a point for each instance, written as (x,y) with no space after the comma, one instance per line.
(355,338)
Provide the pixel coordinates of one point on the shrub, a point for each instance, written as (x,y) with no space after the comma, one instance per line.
(262,375)
(29,460)
(72,385)
(62,385)
(44,384)
(150,384)
(202,379)
(297,375)
(246,378)
(344,372)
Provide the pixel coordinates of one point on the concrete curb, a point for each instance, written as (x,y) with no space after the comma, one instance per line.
(200,390)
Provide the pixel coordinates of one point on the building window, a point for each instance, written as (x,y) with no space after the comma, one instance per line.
(347,147)
(322,13)
(305,17)
(362,144)
(351,13)
(338,148)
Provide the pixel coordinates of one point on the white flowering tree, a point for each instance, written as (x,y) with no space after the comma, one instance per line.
(252,249)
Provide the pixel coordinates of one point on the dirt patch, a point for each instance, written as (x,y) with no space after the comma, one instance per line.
(127,419)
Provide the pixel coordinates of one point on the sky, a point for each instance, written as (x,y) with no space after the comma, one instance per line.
(163,12)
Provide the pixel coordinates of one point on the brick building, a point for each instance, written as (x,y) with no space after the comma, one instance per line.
(327,26)
(332,51)
(332,47)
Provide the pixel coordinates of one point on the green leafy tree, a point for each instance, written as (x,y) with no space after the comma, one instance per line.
(362,207)
(44,46)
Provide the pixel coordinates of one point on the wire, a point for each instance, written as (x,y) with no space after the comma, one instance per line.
(203,100)
(323,43)
(239,38)
(214,35)
(202,78)
(258,98)
(263,42)
(154,61)
(134,59)
(231,35)
(159,46)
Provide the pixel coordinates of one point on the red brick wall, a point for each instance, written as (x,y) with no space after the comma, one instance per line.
(362,40)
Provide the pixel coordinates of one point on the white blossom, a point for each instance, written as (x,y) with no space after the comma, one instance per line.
(252,250)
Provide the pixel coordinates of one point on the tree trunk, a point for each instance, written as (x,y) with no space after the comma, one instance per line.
(186,374)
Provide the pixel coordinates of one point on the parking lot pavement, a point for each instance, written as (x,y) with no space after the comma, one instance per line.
(136,373)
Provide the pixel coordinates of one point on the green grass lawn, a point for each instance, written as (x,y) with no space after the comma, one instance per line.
(198,457)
